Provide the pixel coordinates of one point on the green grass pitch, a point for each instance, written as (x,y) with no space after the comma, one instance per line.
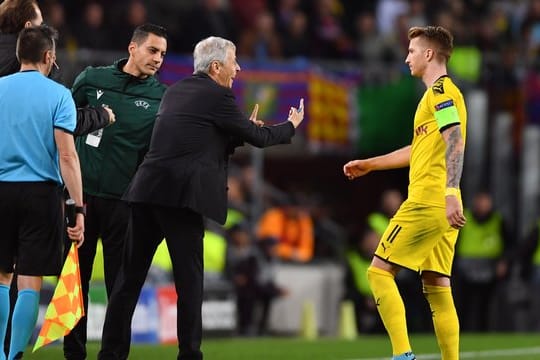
(473,346)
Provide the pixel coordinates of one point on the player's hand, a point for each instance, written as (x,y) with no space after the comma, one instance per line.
(454,212)
(356,168)
(253,116)
(76,233)
(297,115)
(112,117)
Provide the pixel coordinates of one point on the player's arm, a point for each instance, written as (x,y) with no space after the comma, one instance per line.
(447,118)
(394,160)
(70,169)
(71,174)
(455,148)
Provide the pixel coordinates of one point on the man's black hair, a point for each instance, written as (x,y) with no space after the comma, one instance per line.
(33,42)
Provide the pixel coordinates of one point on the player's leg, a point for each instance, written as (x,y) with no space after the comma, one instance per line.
(113,234)
(381,277)
(184,232)
(39,253)
(75,341)
(408,240)
(143,236)
(5,280)
(8,215)
(8,224)
(25,314)
(438,292)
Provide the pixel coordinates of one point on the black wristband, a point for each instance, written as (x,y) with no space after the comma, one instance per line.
(80,210)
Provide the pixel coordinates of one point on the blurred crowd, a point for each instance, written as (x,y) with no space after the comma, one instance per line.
(496,41)
(331,29)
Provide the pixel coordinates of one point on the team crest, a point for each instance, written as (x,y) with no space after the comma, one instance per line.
(438,87)
(142,103)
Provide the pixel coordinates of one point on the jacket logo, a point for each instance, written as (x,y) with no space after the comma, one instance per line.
(142,103)
(421,130)
(99,93)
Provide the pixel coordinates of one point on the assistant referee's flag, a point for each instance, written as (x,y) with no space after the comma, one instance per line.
(66,307)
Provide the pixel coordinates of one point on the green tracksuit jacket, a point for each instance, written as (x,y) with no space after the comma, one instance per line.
(110,156)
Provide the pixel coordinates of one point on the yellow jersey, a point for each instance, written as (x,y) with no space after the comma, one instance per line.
(441,107)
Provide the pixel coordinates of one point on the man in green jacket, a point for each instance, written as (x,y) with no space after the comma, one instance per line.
(110,156)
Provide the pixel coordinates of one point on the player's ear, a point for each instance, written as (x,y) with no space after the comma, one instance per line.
(47,57)
(430,53)
(131,47)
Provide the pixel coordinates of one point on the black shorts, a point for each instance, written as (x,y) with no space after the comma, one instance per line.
(32,225)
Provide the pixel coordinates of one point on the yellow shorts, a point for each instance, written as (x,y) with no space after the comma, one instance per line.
(419,238)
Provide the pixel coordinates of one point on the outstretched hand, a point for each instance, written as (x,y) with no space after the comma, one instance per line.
(356,168)
(297,115)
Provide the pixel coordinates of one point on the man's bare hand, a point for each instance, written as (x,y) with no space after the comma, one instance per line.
(356,168)
(454,212)
(253,116)
(297,115)
(112,117)
(76,233)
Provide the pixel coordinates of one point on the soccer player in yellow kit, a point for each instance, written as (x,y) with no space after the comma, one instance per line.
(422,234)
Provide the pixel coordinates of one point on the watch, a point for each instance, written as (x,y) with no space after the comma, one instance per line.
(80,210)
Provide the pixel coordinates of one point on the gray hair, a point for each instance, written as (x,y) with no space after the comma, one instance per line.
(212,48)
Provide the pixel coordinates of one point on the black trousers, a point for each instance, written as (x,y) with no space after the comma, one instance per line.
(108,219)
(184,231)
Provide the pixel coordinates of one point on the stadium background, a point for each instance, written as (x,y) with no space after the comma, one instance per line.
(346,59)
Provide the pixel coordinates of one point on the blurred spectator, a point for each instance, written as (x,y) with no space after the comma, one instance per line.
(371,47)
(208,18)
(238,210)
(285,12)
(530,30)
(391,200)
(417,13)
(295,39)
(532,94)
(91,32)
(480,262)
(505,90)
(247,11)
(330,237)
(357,287)
(135,14)
(493,29)
(387,12)
(251,269)
(290,227)
(55,16)
(528,257)
(262,42)
(331,40)
(271,195)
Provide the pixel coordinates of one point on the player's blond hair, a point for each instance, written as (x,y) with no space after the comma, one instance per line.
(438,37)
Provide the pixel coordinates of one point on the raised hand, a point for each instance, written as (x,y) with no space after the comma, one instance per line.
(253,116)
(297,115)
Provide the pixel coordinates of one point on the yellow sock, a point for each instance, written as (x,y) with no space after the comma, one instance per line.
(390,307)
(445,320)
